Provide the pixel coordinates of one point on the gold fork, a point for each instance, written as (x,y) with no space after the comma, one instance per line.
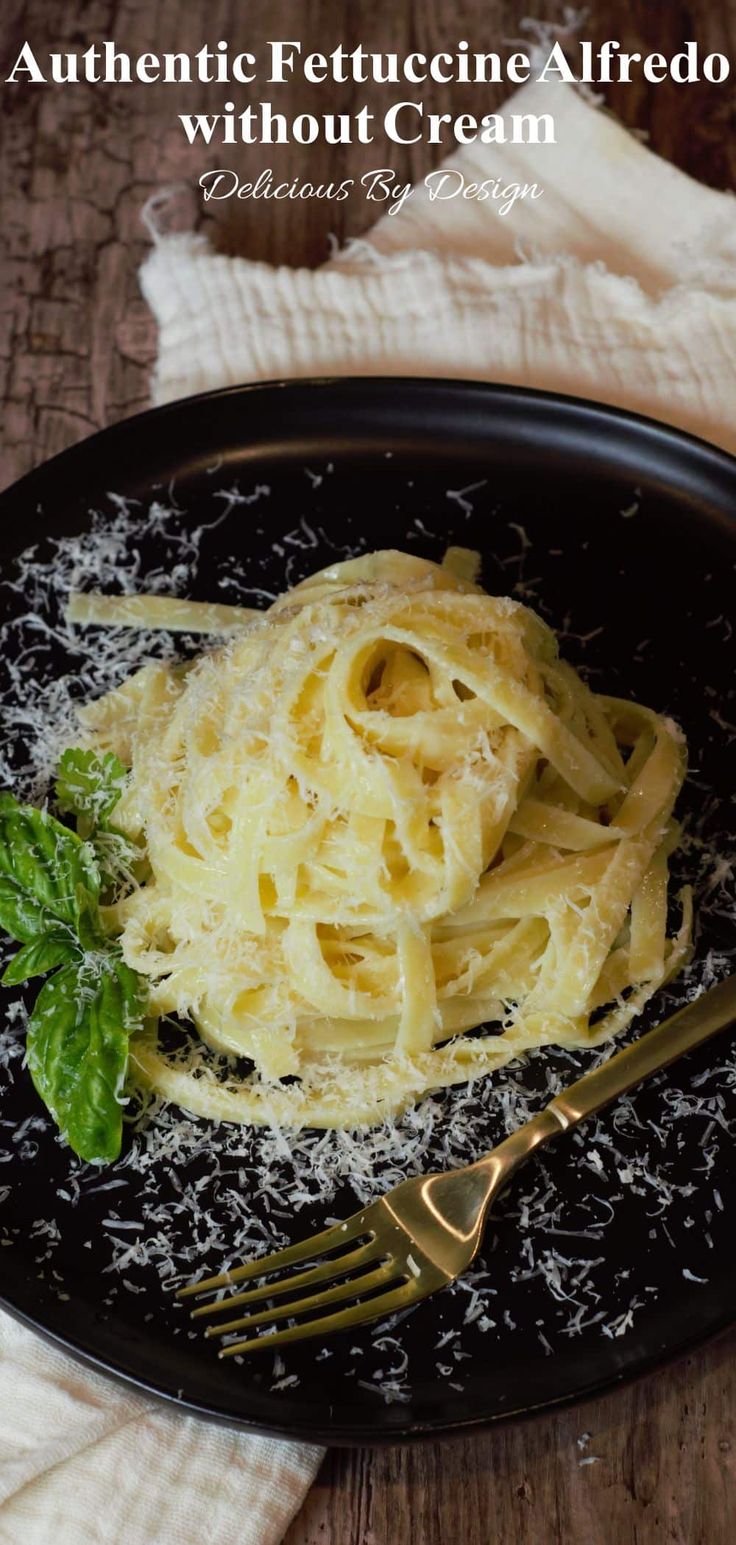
(425,1232)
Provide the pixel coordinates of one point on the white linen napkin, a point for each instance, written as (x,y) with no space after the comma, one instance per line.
(85,1461)
(616,283)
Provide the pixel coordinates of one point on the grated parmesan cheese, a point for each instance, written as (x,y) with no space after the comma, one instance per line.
(196,1196)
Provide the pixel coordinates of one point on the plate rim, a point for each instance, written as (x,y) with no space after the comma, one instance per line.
(363,1435)
(591,407)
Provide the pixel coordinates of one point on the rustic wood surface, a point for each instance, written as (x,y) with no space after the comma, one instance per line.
(76,346)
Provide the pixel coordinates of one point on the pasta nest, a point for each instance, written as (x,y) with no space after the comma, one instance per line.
(381,815)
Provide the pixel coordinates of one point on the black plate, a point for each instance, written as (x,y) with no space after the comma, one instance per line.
(615,1249)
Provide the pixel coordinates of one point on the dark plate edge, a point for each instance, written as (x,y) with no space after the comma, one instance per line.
(366,1436)
(487,391)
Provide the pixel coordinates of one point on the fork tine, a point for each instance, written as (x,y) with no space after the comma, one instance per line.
(344,1319)
(351,1289)
(305,1250)
(333,1267)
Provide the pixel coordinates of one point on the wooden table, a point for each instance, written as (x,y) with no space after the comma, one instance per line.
(77,346)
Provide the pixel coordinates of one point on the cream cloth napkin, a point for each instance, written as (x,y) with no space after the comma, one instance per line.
(83,1461)
(617,283)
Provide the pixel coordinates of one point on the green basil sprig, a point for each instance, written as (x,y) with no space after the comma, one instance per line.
(78,1038)
(79,1029)
(49,878)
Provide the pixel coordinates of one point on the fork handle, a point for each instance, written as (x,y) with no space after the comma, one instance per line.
(714,1010)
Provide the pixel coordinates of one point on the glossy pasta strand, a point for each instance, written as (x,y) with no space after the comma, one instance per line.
(378,816)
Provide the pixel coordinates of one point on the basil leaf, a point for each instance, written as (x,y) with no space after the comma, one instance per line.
(49,901)
(41,955)
(78,1051)
(89,784)
(46,872)
(20,916)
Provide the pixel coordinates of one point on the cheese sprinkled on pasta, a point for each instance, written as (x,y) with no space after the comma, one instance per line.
(381,814)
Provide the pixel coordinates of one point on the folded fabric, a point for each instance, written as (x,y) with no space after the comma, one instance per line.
(617,282)
(84,1461)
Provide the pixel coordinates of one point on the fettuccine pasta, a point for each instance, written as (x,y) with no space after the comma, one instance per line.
(377,816)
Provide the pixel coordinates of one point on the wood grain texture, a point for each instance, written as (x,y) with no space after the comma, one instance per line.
(78,162)
(76,345)
(664,1474)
